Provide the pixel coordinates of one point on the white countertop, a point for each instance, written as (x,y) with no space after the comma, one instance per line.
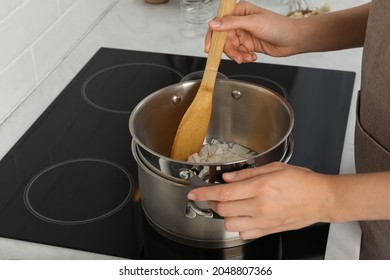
(135,25)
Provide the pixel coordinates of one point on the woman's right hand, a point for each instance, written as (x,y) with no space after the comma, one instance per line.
(254,30)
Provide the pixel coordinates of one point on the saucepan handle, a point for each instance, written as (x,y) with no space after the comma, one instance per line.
(192,208)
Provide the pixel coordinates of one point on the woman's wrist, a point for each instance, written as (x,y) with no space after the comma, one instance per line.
(330,31)
(357,197)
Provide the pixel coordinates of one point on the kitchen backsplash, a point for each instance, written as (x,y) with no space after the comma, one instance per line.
(35,36)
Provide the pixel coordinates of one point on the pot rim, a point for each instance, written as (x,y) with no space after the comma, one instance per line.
(281,141)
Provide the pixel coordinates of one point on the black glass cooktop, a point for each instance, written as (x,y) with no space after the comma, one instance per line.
(71,180)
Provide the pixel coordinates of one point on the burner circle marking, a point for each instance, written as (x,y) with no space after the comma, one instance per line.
(36,213)
(93,104)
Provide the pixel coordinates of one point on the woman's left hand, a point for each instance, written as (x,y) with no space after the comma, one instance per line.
(268,199)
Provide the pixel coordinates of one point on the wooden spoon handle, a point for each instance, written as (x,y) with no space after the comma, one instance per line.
(193,127)
(218,40)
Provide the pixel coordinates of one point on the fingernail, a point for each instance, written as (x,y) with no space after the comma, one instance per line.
(215,23)
(254,57)
(237,60)
(229,176)
(245,59)
(191,196)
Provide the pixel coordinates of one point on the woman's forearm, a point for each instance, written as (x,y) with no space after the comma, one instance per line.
(359,197)
(332,31)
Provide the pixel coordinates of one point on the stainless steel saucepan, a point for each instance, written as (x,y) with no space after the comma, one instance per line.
(243,113)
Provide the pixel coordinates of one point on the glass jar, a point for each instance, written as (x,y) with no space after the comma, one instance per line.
(196,14)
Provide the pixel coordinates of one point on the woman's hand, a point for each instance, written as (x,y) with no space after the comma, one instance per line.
(252,29)
(268,199)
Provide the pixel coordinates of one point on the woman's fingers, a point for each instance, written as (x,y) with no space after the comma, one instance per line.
(250,228)
(236,208)
(236,191)
(248,173)
(222,192)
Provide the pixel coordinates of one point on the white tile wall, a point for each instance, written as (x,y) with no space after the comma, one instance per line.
(6,6)
(35,36)
(63,5)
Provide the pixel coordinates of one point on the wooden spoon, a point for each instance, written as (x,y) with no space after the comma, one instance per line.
(193,127)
